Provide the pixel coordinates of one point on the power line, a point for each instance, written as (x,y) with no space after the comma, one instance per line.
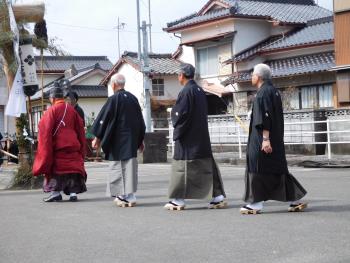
(96,28)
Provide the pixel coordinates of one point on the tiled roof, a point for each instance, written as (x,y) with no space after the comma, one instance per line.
(252,51)
(85,91)
(290,12)
(300,65)
(80,73)
(159,63)
(313,34)
(61,63)
(162,64)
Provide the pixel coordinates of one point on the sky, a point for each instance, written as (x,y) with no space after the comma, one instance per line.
(89,28)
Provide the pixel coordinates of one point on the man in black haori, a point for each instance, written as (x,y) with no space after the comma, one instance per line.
(267,176)
(195,174)
(119,129)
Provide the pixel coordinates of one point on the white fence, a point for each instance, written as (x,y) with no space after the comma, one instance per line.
(228,131)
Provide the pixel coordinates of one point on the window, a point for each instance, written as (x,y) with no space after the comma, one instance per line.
(36,115)
(325,96)
(208,61)
(158,87)
(317,97)
(309,97)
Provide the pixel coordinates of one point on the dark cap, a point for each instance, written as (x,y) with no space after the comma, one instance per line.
(188,70)
(56,93)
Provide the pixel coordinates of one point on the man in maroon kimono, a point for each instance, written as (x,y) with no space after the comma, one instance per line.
(61,149)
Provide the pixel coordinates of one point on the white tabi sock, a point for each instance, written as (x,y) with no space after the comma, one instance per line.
(131,197)
(256,206)
(178,201)
(73,194)
(218,199)
(295,202)
(55,193)
(122,197)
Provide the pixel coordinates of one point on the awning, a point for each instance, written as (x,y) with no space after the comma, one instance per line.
(216,89)
(212,38)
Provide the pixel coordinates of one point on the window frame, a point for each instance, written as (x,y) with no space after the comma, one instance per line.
(158,87)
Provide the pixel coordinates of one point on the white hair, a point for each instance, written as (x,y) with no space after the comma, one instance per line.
(118,79)
(263,71)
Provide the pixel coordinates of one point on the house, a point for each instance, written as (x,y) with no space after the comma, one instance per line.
(84,74)
(342,47)
(165,87)
(226,38)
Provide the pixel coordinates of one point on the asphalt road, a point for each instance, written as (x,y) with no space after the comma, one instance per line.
(94,230)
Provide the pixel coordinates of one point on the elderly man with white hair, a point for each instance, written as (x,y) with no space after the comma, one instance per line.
(120,129)
(267,176)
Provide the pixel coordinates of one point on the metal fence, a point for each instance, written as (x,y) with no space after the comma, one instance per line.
(231,131)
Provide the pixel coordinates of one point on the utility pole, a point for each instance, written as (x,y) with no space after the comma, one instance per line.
(138,29)
(146,81)
(150,26)
(120,26)
(144,63)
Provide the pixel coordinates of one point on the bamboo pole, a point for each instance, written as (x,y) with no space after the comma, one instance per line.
(42,80)
(8,154)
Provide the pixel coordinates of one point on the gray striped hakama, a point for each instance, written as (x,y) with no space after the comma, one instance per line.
(123,177)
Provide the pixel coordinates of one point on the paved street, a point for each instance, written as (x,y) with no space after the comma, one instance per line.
(94,230)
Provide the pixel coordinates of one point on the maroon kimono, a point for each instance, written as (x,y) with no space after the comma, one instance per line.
(61,144)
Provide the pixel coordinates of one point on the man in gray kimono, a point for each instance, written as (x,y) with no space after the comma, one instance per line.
(267,176)
(119,129)
(195,174)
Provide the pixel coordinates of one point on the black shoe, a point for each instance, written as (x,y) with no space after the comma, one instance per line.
(73,198)
(53,198)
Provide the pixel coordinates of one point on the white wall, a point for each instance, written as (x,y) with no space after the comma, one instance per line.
(207,31)
(134,82)
(48,78)
(301,51)
(188,55)
(249,32)
(91,105)
(93,78)
(172,87)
